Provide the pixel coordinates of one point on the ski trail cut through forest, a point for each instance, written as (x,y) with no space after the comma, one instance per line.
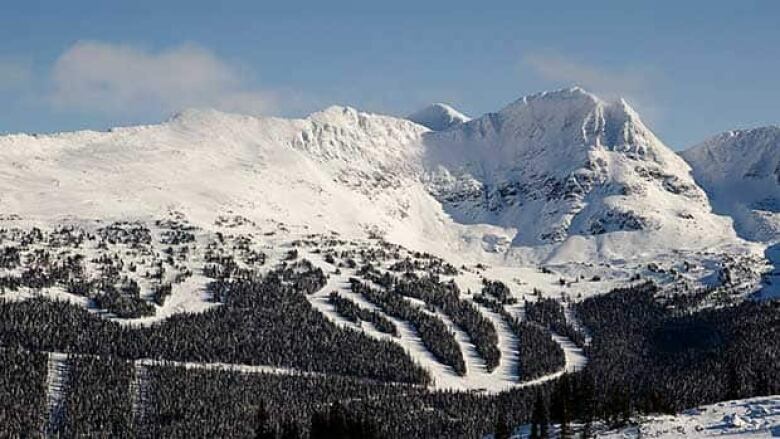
(444,378)
(138,392)
(56,390)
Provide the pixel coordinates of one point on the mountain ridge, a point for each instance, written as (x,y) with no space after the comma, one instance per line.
(558,174)
(740,169)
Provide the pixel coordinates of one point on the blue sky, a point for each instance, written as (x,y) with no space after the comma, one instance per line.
(691,69)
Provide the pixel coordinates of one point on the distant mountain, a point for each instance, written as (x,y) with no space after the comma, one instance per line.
(740,170)
(438,117)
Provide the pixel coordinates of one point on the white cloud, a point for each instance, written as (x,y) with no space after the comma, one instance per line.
(611,83)
(126,80)
(635,85)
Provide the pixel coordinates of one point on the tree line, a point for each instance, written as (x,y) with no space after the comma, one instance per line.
(264,321)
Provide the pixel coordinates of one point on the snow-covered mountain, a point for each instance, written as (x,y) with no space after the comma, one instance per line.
(565,163)
(438,117)
(740,170)
(559,176)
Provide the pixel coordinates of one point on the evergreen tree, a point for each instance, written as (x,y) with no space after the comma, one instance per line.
(320,427)
(291,430)
(337,422)
(503,430)
(263,427)
(560,405)
(587,429)
(585,401)
(540,419)
(362,429)
(734,389)
(544,422)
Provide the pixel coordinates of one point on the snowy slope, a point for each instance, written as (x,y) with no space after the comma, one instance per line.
(740,170)
(438,117)
(555,177)
(316,171)
(338,170)
(744,418)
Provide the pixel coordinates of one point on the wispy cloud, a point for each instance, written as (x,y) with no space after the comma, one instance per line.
(610,82)
(634,84)
(126,80)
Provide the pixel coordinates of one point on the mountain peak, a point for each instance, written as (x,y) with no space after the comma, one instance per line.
(573,97)
(758,145)
(590,166)
(438,117)
(572,121)
(740,170)
(561,95)
(338,109)
(566,93)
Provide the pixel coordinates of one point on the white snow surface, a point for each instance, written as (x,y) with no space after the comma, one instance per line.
(754,418)
(745,418)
